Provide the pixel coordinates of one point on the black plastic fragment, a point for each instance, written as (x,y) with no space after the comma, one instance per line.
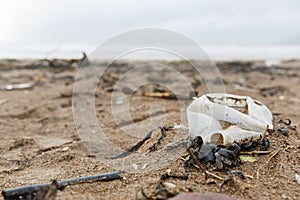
(28,192)
(283,130)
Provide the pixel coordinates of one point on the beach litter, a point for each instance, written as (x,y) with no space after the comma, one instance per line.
(19,86)
(225,130)
(223,126)
(30,191)
(22,86)
(221,118)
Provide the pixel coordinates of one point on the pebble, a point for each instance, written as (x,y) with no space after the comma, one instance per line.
(144,166)
(169,185)
(281,98)
(65,149)
(297,178)
(134,166)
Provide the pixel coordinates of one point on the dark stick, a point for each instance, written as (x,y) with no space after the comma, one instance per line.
(29,190)
(136,146)
(140,143)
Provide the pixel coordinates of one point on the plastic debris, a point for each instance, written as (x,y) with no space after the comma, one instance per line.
(19,86)
(27,192)
(221,118)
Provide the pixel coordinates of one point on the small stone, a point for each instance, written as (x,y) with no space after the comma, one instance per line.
(134,166)
(211,181)
(281,98)
(297,178)
(169,185)
(144,166)
(65,148)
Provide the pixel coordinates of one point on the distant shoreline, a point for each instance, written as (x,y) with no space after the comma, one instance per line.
(216,53)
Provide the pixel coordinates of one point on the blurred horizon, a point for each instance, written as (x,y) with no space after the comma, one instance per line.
(215,52)
(225,29)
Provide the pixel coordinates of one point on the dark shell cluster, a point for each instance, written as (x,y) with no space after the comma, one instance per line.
(221,156)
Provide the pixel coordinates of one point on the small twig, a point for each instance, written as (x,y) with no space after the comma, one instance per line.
(133,148)
(141,143)
(158,94)
(144,194)
(279,169)
(274,154)
(29,190)
(294,128)
(249,176)
(209,173)
(199,166)
(225,181)
(254,152)
(214,175)
(196,161)
(265,133)
(182,158)
(165,95)
(257,172)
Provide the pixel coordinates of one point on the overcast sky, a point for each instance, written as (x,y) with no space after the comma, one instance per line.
(208,22)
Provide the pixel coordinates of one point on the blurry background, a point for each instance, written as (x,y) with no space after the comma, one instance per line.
(229,29)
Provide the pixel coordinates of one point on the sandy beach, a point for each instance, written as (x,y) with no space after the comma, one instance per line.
(39,141)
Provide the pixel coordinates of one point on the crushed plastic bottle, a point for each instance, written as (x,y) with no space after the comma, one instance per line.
(222,118)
